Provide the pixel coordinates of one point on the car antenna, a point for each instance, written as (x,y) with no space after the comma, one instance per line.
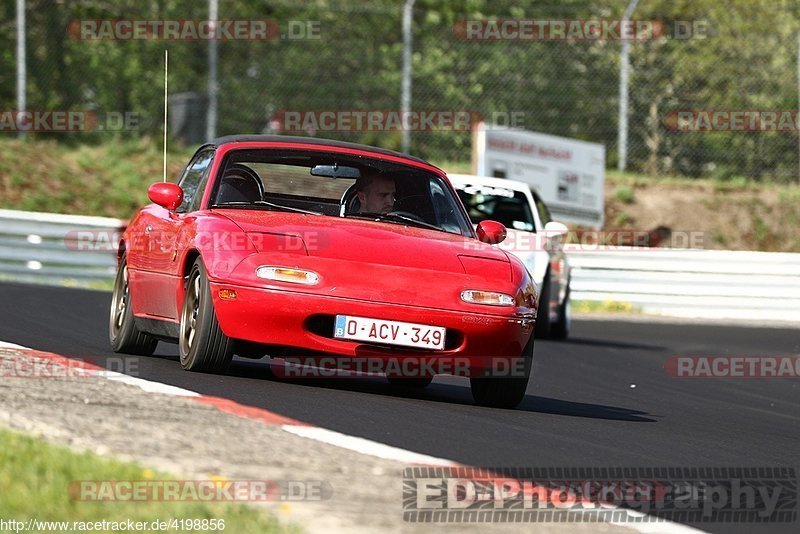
(166,65)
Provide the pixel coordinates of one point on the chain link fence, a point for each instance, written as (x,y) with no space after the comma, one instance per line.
(343,59)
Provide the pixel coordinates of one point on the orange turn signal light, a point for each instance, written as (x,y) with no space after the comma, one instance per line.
(227,294)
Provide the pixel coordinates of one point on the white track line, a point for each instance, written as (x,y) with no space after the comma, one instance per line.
(366,446)
(147,385)
(6,345)
(653,526)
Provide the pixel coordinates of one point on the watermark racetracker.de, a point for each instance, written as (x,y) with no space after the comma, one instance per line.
(733,366)
(212,490)
(193,30)
(535,30)
(732,120)
(308,241)
(68,121)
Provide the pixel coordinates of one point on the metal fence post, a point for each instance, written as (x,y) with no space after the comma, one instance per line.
(213,87)
(624,66)
(405,97)
(21,60)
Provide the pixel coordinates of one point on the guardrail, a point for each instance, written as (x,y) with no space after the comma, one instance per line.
(690,283)
(50,248)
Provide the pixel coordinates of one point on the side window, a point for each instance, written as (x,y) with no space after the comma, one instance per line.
(194,179)
(445,210)
(544,213)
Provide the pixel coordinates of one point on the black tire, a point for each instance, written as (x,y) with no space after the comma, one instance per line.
(543,323)
(202,345)
(125,338)
(560,329)
(416,382)
(501,391)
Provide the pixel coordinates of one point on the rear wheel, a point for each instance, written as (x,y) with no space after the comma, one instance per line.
(543,323)
(560,329)
(122,331)
(203,346)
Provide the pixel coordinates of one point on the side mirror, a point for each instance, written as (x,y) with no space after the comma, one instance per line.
(491,232)
(555,229)
(554,233)
(166,195)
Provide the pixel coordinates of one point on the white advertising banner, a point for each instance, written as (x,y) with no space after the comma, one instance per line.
(566,173)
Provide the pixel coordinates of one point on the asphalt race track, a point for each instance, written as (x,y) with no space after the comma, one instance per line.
(600,399)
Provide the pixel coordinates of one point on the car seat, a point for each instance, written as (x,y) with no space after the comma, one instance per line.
(240,184)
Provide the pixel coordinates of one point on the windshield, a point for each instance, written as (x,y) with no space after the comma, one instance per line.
(338,186)
(497,204)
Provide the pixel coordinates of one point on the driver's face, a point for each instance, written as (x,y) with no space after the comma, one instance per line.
(378,197)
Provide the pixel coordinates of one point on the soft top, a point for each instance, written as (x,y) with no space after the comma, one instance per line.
(230,139)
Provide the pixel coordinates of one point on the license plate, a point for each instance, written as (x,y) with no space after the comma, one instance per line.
(390,332)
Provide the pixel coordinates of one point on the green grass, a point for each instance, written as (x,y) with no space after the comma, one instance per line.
(622,220)
(761,232)
(607,306)
(625,194)
(36,476)
(633,179)
(454,167)
(109,179)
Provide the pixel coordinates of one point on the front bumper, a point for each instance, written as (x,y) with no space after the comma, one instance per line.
(301,324)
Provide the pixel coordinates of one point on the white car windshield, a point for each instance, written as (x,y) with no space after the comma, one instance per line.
(499,204)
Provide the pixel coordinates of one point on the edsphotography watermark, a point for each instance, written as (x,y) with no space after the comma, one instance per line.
(591,494)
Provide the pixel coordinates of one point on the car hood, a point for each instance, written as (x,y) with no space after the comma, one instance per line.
(364,241)
(377,262)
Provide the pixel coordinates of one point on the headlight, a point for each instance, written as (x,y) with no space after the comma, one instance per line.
(287,274)
(489,298)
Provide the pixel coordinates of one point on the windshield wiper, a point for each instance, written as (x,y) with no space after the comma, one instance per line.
(267,204)
(391,216)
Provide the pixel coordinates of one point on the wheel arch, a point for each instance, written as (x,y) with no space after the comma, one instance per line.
(188,261)
(121,249)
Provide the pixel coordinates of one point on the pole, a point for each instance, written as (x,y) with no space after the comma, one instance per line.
(624,66)
(166,77)
(213,87)
(405,96)
(21,61)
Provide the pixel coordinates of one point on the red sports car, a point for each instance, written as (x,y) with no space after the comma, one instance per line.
(327,251)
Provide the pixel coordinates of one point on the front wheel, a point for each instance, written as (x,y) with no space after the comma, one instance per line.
(122,332)
(501,391)
(203,345)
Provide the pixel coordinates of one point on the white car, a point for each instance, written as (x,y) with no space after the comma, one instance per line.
(532,236)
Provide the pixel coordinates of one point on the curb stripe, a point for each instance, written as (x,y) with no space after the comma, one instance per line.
(248,412)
